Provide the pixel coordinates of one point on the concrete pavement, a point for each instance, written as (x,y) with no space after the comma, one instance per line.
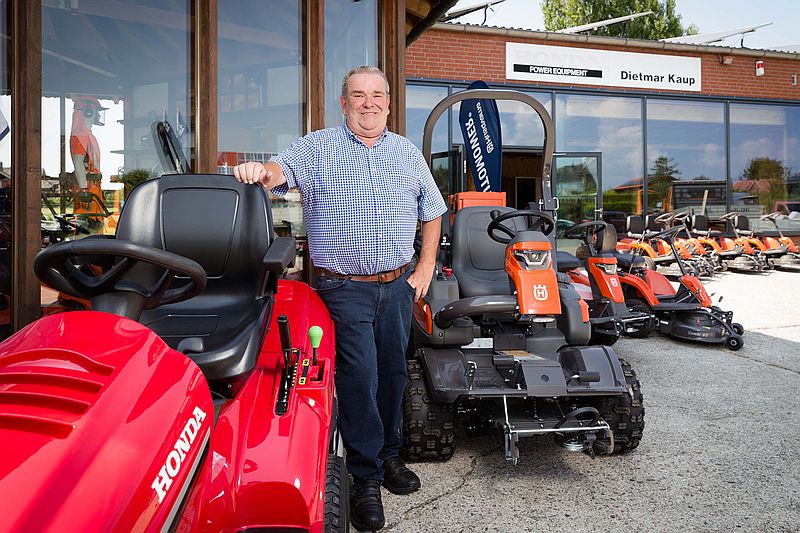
(719,451)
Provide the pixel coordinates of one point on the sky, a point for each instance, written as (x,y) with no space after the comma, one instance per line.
(707,15)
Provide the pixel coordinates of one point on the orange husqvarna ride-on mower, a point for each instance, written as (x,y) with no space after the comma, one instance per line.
(501,341)
(790,260)
(600,286)
(686,312)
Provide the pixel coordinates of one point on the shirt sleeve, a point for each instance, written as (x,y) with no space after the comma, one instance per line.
(297,163)
(431,204)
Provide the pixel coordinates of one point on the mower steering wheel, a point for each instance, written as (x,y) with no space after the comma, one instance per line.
(543,223)
(665,218)
(575,231)
(55,266)
(669,231)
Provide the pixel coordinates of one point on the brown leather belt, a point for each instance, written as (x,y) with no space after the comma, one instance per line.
(380,277)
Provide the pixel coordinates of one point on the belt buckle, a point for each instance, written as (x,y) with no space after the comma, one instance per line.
(382,276)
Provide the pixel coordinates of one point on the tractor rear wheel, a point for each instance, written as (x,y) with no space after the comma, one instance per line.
(337,496)
(428,426)
(624,413)
(634,304)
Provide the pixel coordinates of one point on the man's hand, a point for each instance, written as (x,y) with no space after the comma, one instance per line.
(420,279)
(268,175)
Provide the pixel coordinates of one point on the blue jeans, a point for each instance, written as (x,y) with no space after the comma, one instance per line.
(372,323)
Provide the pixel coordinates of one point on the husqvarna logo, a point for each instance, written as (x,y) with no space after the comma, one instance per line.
(175,459)
(540,292)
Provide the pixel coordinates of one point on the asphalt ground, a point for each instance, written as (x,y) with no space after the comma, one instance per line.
(719,450)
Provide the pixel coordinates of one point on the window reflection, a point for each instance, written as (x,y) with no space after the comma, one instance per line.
(686,156)
(5,177)
(420,101)
(765,162)
(108,74)
(612,127)
(351,40)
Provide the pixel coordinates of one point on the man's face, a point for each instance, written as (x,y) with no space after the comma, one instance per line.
(366,107)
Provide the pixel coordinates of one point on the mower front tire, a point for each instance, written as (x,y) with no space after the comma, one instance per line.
(337,496)
(624,413)
(734,342)
(428,426)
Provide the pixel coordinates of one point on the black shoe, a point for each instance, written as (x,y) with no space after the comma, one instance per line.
(397,478)
(366,508)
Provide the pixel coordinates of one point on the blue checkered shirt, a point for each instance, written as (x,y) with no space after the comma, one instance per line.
(361,204)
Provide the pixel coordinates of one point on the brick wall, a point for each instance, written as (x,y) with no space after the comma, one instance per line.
(467,56)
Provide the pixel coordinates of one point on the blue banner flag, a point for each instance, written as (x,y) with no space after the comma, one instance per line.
(480,126)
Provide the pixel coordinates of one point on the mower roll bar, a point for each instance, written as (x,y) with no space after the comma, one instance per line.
(474,305)
(548,202)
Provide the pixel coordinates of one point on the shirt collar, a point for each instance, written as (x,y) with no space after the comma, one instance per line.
(355,137)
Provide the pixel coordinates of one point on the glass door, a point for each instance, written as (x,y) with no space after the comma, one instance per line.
(448,171)
(577,182)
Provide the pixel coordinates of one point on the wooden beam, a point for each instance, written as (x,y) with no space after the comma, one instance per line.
(205,61)
(393,44)
(26,174)
(314,41)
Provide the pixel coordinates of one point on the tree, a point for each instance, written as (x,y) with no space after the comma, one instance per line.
(664,172)
(665,22)
(769,178)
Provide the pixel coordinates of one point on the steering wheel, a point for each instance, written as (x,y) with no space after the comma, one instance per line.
(665,218)
(543,223)
(674,230)
(55,266)
(575,231)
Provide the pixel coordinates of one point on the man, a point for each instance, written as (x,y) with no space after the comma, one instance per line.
(364,189)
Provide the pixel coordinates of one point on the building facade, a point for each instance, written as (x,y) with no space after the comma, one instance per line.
(640,126)
(85,82)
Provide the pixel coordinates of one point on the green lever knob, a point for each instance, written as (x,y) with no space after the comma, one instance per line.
(315,336)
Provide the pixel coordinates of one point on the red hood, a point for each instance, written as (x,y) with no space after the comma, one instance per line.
(91,409)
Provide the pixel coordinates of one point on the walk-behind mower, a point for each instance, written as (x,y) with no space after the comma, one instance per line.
(501,342)
(600,285)
(183,399)
(686,313)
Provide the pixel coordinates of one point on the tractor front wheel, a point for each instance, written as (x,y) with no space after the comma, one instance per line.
(428,426)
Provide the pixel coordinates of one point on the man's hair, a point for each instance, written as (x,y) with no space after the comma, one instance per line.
(363,69)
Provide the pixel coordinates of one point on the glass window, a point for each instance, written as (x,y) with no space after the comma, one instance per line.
(686,156)
(5,177)
(612,127)
(108,74)
(351,40)
(765,162)
(420,101)
(261,96)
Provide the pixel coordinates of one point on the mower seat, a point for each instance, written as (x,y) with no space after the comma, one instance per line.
(628,262)
(699,225)
(634,227)
(227,227)
(565,262)
(479,260)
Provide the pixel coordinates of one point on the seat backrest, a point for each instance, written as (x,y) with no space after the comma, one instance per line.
(227,227)
(478,260)
(607,240)
(650,223)
(634,224)
(699,223)
(741,222)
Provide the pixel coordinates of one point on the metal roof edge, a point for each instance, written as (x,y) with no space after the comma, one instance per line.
(615,41)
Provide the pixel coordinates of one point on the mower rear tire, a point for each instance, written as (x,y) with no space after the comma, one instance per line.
(337,496)
(624,413)
(428,426)
(734,342)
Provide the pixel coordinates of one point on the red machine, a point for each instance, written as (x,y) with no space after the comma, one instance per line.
(182,401)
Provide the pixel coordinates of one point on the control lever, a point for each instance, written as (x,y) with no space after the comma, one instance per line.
(287,376)
(315,336)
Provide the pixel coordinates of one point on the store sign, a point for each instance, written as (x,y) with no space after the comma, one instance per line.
(582,66)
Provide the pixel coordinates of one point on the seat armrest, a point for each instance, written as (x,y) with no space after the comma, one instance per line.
(280,254)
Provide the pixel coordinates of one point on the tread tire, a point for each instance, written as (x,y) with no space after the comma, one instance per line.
(428,426)
(337,496)
(624,413)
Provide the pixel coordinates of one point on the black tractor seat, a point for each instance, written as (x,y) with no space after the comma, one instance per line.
(628,262)
(227,227)
(565,262)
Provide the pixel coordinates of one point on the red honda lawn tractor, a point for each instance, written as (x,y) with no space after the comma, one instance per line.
(190,397)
